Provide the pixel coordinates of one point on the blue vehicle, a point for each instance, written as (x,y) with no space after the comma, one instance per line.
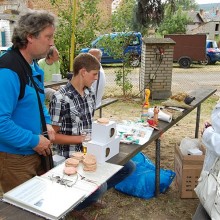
(212,52)
(133,49)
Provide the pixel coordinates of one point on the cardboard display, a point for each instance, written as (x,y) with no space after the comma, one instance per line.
(103,151)
(103,133)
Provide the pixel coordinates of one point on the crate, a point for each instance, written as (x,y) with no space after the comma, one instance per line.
(187,169)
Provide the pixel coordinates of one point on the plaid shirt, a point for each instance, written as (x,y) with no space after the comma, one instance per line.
(72,113)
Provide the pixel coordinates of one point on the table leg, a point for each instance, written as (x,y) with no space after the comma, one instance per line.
(157,167)
(100,112)
(197,121)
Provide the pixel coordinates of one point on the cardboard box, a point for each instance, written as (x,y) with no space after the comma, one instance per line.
(105,151)
(187,169)
(103,133)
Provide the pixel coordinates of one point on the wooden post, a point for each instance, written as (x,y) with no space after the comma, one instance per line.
(73,37)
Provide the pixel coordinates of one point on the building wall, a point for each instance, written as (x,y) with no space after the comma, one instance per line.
(156,70)
(12,4)
(206,24)
(207,28)
(5,27)
(104,7)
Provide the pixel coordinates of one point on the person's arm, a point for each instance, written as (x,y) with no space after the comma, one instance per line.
(211,140)
(11,133)
(46,113)
(66,139)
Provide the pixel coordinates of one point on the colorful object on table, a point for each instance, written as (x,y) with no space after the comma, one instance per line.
(133,132)
(152,124)
(156,111)
(146,101)
(144,117)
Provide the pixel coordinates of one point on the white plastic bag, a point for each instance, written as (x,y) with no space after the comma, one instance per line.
(189,143)
(208,190)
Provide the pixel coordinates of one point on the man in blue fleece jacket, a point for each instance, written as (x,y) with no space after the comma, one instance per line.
(21,139)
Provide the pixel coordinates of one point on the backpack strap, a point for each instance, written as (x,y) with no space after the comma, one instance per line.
(12,60)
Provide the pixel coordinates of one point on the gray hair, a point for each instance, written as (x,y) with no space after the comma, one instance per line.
(32,22)
(96,52)
(50,52)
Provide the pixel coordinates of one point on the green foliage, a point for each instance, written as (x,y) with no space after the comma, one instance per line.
(122,80)
(174,23)
(86,27)
(115,46)
(123,18)
(186,5)
(149,13)
(87,23)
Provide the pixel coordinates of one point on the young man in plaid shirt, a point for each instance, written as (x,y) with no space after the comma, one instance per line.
(72,108)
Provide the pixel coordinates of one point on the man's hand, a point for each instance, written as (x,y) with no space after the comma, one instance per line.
(50,132)
(43,148)
(207,124)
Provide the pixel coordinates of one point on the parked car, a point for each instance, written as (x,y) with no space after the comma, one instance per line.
(133,49)
(212,52)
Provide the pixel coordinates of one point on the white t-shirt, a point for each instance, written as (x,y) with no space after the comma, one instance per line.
(101,87)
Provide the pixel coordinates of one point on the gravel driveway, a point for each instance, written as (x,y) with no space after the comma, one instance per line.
(182,79)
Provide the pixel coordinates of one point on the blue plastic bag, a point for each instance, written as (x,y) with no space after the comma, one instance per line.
(141,183)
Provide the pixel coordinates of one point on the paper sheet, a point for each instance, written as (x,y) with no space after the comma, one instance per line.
(135,133)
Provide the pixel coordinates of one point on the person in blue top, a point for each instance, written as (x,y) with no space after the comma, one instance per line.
(21,138)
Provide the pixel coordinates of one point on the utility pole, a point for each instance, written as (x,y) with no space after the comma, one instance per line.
(73,37)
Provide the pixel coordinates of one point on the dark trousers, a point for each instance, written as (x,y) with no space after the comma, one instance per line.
(127,170)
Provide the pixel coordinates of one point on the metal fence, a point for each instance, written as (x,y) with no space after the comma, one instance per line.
(183,80)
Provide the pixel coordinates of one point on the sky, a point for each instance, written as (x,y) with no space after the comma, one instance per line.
(206,1)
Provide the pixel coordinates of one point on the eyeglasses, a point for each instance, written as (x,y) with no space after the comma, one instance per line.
(63,181)
(70,183)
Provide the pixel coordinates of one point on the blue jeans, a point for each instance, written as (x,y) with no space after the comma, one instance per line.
(127,169)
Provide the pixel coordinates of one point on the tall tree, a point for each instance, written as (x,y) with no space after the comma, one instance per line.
(123,17)
(149,12)
(186,5)
(174,22)
(87,25)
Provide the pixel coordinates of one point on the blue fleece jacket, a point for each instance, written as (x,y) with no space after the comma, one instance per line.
(20,123)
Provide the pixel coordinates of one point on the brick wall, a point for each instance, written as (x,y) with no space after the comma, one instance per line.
(11,4)
(104,7)
(156,70)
